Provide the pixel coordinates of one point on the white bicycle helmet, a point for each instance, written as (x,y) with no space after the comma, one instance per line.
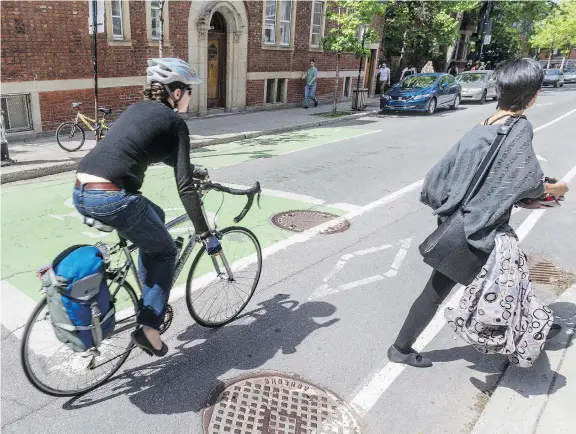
(169,70)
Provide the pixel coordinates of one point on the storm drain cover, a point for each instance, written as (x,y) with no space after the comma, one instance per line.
(545,272)
(273,403)
(302,220)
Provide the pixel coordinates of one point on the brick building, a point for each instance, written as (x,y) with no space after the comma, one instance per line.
(249,54)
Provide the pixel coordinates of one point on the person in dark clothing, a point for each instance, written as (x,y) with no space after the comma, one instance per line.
(453,69)
(515,175)
(110,176)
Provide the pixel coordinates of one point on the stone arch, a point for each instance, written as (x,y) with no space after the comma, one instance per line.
(236,18)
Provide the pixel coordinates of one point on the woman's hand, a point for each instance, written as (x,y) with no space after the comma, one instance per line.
(557,189)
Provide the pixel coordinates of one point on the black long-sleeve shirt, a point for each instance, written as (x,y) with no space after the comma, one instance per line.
(147,132)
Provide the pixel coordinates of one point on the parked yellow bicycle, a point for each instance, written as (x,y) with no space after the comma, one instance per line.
(70,135)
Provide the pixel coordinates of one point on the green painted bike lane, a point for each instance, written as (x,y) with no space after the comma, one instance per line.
(39,220)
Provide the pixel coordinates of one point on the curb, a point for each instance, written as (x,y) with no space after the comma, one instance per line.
(39,172)
(521,397)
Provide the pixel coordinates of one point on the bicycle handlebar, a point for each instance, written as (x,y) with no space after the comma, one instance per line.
(250,192)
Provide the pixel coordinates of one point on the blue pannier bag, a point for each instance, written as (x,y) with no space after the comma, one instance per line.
(79,300)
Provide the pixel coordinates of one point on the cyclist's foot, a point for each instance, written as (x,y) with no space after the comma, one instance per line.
(408,357)
(149,340)
(212,245)
(555,330)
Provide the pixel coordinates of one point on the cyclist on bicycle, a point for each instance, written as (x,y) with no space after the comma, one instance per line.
(109,177)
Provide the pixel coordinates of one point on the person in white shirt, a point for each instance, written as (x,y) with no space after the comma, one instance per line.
(384,77)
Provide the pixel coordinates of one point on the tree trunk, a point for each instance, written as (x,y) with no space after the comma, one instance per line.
(335,106)
(549,57)
(161,39)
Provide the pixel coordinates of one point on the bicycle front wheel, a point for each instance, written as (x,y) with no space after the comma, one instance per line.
(219,287)
(53,368)
(70,136)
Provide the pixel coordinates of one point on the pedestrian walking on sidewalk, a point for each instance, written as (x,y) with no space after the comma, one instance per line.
(493,315)
(311,77)
(384,78)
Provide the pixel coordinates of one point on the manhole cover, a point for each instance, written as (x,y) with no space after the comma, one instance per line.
(302,220)
(545,272)
(273,403)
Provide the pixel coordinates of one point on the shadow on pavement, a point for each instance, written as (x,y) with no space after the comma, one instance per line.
(182,381)
(565,315)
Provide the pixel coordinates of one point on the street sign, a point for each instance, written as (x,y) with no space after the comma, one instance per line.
(487,39)
(99,16)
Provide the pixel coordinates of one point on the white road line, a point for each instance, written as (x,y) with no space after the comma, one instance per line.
(559,118)
(16,307)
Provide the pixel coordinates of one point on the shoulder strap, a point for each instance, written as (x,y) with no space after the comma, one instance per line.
(486,163)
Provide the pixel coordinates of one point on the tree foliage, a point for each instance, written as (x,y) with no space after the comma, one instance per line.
(558,30)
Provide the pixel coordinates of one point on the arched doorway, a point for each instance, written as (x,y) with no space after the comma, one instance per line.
(216,85)
(208,20)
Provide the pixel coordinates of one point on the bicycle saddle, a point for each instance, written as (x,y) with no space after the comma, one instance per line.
(105,110)
(93,223)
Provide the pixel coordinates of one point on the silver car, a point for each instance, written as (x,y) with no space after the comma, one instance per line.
(477,85)
(570,75)
(553,77)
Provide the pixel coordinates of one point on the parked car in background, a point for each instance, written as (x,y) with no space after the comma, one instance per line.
(553,77)
(424,93)
(477,85)
(570,75)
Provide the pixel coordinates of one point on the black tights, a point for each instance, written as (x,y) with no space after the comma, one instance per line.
(424,309)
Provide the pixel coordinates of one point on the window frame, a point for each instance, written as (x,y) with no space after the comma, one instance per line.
(126,39)
(150,31)
(121,17)
(277,44)
(321,25)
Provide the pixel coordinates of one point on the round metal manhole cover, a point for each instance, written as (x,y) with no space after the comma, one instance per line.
(273,403)
(302,220)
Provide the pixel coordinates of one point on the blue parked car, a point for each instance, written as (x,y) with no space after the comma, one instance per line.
(423,93)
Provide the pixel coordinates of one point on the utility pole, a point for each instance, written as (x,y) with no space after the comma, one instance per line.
(486,29)
(95,56)
(161,19)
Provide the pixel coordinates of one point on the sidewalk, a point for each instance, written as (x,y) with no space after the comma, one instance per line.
(539,400)
(42,156)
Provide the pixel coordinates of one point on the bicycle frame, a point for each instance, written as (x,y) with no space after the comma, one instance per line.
(193,239)
(89,122)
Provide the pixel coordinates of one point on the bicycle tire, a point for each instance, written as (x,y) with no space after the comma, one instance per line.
(37,383)
(74,127)
(203,322)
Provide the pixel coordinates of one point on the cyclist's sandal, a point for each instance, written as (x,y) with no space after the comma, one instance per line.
(412,358)
(141,341)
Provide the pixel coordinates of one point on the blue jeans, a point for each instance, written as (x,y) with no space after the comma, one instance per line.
(142,222)
(310,91)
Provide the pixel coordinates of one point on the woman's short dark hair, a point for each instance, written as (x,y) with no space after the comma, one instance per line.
(157,92)
(517,83)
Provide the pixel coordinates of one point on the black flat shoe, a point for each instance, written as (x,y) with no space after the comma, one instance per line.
(555,330)
(411,359)
(141,341)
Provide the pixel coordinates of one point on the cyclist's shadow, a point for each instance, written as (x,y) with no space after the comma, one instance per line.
(183,381)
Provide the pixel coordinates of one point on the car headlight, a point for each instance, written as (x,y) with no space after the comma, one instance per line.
(421,97)
(386,97)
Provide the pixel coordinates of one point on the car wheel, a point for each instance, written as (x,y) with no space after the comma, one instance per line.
(483,97)
(562,85)
(456,103)
(431,106)
(556,85)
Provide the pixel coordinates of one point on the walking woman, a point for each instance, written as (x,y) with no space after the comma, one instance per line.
(514,175)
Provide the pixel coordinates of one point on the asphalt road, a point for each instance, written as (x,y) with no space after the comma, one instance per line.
(336,331)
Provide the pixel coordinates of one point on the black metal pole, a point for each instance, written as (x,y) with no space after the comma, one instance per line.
(360,73)
(95,56)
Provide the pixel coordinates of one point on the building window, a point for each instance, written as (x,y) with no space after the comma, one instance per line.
(317,28)
(155,19)
(270,23)
(16,112)
(278,22)
(117,24)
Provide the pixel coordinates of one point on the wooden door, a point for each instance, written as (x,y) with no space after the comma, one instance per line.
(216,70)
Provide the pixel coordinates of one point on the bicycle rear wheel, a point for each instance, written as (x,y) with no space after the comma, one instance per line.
(70,136)
(56,370)
(214,298)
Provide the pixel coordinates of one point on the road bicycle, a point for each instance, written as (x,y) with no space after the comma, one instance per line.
(70,135)
(217,289)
